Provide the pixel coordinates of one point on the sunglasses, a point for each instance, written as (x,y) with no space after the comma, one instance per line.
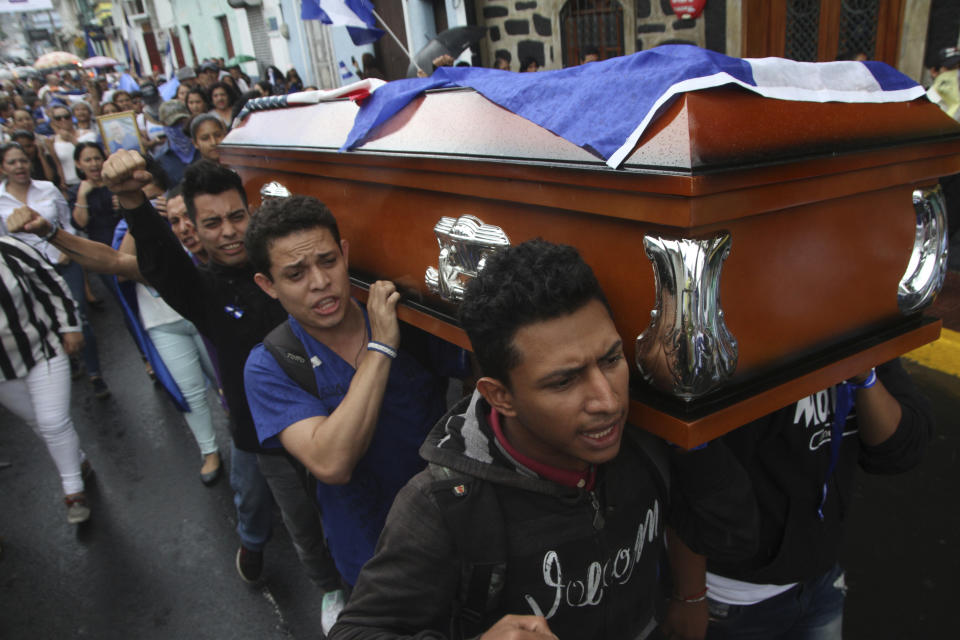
(62,117)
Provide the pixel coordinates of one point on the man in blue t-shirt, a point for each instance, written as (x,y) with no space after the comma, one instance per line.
(376,398)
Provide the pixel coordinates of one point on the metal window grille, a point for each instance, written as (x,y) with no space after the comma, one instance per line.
(596,23)
(858,27)
(803,27)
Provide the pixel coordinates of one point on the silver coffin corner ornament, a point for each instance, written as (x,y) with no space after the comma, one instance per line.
(465,243)
(687,350)
(927,268)
(274,190)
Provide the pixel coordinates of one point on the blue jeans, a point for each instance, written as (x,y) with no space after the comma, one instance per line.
(812,610)
(73,275)
(253,500)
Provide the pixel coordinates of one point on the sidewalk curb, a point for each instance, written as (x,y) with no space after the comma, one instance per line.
(942,355)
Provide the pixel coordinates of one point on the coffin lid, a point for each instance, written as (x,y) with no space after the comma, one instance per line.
(701,132)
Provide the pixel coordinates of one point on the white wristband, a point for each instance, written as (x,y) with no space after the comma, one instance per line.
(386,350)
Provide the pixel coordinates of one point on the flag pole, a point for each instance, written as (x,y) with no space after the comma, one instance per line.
(395,39)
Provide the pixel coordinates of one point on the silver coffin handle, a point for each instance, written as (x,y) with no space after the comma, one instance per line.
(274,190)
(927,268)
(465,243)
(687,350)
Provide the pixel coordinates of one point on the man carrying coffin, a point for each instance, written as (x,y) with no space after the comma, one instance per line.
(542,513)
(374,387)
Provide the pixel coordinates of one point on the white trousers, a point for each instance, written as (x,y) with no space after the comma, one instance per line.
(42,400)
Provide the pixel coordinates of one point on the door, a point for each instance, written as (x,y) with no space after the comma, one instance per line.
(393,61)
(177,49)
(153,54)
(227,40)
(823,30)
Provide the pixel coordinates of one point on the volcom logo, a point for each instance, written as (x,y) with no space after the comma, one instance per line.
(817,411)
(589,589)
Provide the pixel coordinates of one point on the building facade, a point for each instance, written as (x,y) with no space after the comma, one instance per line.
(904,33)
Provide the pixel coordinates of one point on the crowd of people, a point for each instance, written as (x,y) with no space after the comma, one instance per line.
(528,509)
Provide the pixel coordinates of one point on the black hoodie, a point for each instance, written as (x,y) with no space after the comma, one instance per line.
(787,455)
(586,560)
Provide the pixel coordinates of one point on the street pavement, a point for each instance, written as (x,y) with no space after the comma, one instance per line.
(156,561)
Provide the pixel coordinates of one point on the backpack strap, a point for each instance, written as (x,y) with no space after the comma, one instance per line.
(472,514)
(291,355)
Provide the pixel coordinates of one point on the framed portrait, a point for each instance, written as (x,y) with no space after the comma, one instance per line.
(120,131)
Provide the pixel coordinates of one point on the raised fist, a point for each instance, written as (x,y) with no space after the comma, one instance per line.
(125,174)
(25,219)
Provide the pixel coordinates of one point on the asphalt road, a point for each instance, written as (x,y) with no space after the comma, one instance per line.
(156,560)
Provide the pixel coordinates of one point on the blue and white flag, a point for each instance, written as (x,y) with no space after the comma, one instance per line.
(169,66)
(91,50)
(606,106)
(356,15)
(168,90)
(127,83)
(345,72)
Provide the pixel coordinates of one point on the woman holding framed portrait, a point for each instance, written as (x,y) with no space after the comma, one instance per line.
(120,131)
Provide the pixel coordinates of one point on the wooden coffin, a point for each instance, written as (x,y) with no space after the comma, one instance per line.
(817,200)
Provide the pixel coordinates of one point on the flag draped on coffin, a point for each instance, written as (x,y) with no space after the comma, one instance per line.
(356,15)
(606,106)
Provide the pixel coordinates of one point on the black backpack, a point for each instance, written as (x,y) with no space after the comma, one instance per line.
(463,501)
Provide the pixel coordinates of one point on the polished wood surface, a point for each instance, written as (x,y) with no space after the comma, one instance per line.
(689,432)
(817,199)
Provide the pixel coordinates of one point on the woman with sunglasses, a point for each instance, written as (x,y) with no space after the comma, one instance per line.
(83,113)
(65,141)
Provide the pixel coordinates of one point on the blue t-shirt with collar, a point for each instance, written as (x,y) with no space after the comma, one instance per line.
(414,399)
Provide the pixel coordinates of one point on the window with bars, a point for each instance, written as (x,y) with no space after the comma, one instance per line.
(591,23)
(803,27)
(858,27)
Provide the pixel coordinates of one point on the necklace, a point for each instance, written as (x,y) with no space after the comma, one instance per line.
(363,339)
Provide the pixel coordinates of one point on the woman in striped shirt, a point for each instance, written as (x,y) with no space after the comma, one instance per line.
(40,326)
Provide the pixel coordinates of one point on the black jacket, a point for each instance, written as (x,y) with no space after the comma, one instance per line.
(224,303)
(787,455)
(587,560)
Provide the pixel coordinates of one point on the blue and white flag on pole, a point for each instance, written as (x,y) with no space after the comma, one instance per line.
(169,66)
(356,15)
(345,72)
(606,106)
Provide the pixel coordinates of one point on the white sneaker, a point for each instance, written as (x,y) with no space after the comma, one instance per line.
(330,609)
(77,509)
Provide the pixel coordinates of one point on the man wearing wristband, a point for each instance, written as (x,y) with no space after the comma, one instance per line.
(226,306)
(542,513)
(802,462)
(374,397)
